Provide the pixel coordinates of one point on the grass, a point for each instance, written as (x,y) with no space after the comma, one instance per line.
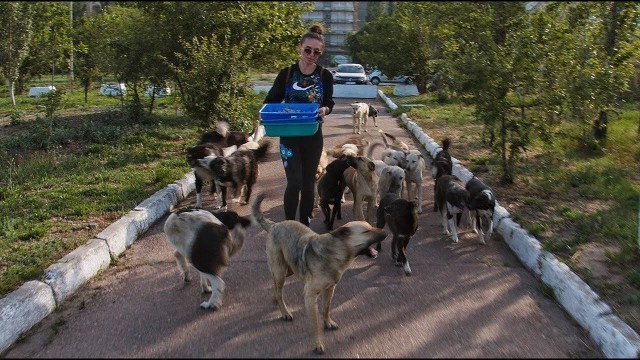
(564,196)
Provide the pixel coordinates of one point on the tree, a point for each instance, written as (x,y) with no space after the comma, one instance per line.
(88,42)
(15,38)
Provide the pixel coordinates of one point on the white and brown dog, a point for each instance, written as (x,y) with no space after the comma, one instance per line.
(207,241)
(482,205)
(360,116)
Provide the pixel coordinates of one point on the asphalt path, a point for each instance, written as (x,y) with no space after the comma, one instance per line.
(463,300)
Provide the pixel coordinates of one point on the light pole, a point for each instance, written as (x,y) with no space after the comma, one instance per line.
(71,37)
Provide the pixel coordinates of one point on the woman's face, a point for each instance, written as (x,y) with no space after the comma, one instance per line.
(310,50)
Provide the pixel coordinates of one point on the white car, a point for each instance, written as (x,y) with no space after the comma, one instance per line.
(159,91)
(113,89)
(350,74)
(376,77)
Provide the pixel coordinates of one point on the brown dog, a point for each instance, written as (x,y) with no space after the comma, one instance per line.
(362,180)
(318,260)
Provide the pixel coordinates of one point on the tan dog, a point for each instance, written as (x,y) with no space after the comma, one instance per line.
(318,260)
(360,116)
(414,172)
(362,180)
(320,170)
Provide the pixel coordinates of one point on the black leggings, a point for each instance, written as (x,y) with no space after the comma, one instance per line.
(300,157)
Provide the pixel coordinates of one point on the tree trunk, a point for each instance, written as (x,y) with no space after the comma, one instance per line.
(11,94)
(600,126)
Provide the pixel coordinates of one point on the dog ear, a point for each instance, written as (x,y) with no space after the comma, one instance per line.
(371,165)
(342,232)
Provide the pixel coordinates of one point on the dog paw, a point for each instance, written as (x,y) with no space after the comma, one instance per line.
(330,325)
(319,350)
(208,305)
(287,317)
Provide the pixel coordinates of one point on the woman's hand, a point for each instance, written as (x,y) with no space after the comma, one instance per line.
(323,111)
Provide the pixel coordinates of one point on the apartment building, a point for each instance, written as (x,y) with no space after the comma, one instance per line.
(339,18)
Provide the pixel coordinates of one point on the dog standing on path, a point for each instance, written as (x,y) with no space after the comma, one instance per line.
(362,180)
(402,217)
(318,260)
(452,199)
(207,241)
(481,207)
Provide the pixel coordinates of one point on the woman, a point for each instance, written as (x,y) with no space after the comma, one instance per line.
(303,82)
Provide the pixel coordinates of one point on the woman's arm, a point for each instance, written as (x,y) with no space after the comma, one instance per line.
(327,86)
(276,93)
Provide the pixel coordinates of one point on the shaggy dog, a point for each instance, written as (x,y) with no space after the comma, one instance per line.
(360,116)
(414,169)
(452,199)
(318,260)
(207,241)
(201,151)
(441,165)
(330,190)
(235,171)
(362,180)
(402,217)
(481,206)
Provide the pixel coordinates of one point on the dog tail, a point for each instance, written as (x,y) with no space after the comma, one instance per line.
(222,128)
(257,214)
(372,148)
(262,150)
(445,144)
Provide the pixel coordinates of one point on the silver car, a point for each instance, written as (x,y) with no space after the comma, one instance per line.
(376,77)
(350,74)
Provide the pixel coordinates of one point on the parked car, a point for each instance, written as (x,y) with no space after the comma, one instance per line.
(113,89)
(38,91)
(376,77)
(158,91)
(350,74)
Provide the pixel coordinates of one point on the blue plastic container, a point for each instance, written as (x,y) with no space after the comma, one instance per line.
(298,112)
(284,129)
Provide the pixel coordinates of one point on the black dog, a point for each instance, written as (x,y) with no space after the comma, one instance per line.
(202,151)
(330,189)
(235,171)
(441,165)
(402,217)
(452,199)
(482,203)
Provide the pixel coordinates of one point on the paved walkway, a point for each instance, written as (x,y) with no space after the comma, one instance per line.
(463,300)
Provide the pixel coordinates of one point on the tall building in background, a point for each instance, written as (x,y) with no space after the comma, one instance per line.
(339,19)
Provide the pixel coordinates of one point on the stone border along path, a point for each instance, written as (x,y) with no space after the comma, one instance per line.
(23,308)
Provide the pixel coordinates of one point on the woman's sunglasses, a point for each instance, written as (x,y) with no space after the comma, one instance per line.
(315,52)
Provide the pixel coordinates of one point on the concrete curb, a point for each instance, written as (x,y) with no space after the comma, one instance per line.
(25,307)
(615,338)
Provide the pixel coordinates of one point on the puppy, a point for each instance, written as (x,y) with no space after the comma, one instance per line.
(207,241)
(331,189)
(201,151)
(362,180)
(452,199)
(482,203)
(414,169)
(221,135)
(373,112)
(353,146)
(235,171)
(318,260)
(402,217)
(441,165)
(390,179)
(360,116)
